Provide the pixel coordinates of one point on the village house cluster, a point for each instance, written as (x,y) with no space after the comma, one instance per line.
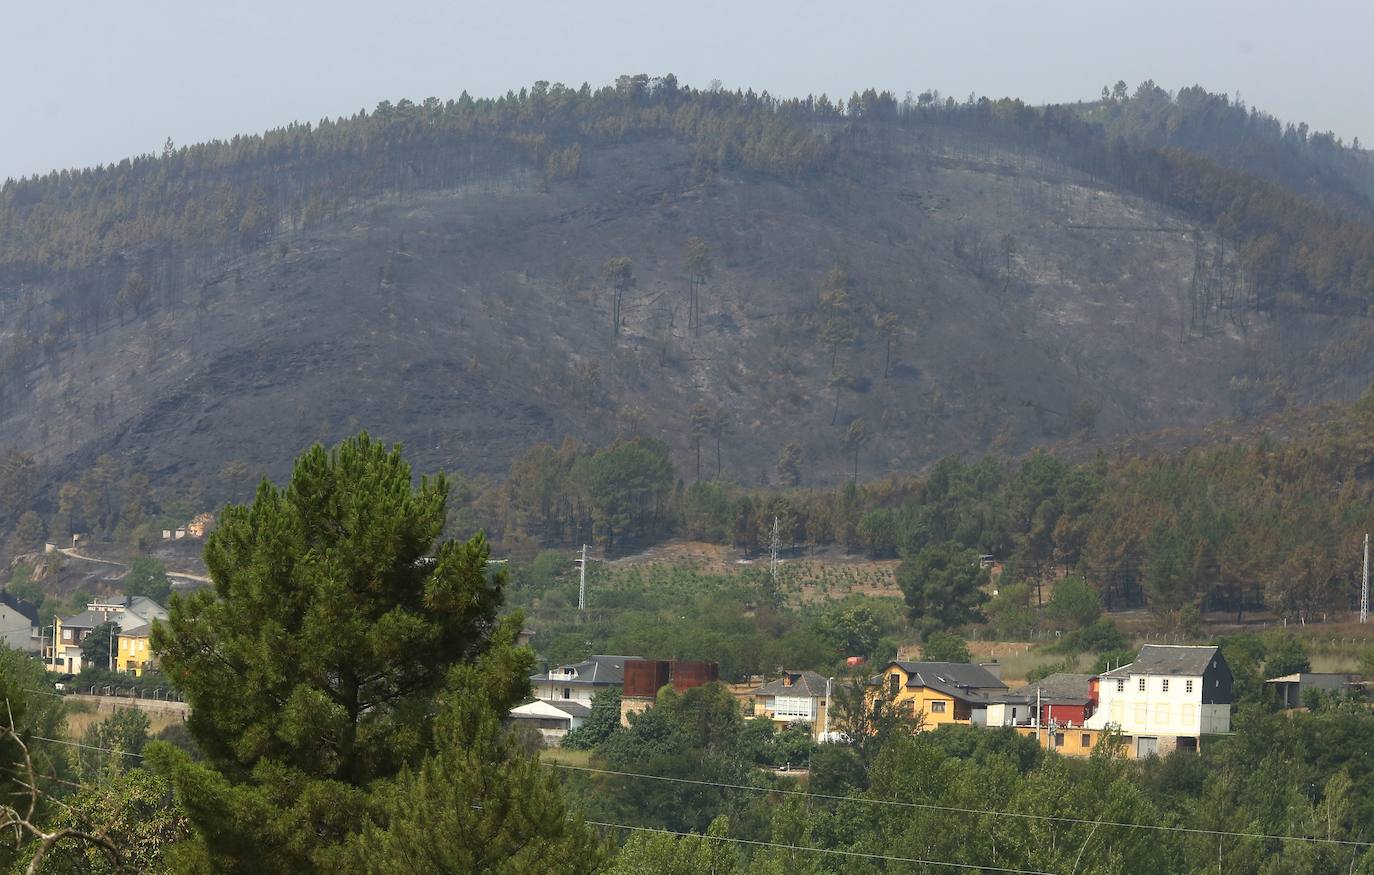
(58,645)
(130,651)
(1170,697)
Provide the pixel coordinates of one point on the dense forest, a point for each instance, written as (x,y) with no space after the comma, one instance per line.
(1314,163)
(1260,523)
(1251,523)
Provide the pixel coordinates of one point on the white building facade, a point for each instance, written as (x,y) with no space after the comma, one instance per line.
(1169,691)
(578,682)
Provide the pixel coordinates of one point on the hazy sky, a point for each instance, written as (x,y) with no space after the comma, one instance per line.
(86,82)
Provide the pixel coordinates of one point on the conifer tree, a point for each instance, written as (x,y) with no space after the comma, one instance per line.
(477,804)
(313,665)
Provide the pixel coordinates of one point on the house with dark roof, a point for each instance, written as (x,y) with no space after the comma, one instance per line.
(945,692)
(1167,698)
(579,681)
(1063,699)
(18,624)
(796,697)
(68,632)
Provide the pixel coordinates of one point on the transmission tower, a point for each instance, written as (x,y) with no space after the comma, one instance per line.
(1364,588)
(582,580)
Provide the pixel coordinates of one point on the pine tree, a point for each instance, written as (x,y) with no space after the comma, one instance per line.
(312,666)
(477,804)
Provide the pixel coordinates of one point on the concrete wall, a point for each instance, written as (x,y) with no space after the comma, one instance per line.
(104,704)
(16,632)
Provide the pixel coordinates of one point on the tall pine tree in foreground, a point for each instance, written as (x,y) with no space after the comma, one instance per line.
(337,639)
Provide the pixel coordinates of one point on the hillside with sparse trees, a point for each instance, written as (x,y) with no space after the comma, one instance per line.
(782,291)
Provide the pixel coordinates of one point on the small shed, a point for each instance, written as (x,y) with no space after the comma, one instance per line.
(552,719)
(1290,689)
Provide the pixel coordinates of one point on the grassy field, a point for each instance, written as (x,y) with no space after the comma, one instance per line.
(566,757)
(81,718)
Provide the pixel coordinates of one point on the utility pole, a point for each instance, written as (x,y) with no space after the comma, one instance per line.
(1364,588)
(825,718)
(773,555)
(582,581)
(1038,735)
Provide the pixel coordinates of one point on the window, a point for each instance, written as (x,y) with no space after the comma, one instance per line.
(894,684)
(1087,739)
(1142,685)
(1121,686)
(567,692)
(937,707)
(1164,685)
(1187,686)
(798,707)
(66,634)
(1059,739)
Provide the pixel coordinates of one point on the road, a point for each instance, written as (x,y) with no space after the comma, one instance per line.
(71,553)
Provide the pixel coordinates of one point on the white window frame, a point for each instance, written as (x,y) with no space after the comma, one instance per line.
(1187,686)
(1164,685)
(794,707)
(1140,685)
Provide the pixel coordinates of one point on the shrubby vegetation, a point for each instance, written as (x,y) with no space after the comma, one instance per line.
(1259,523)
(1254,524)
(1277,776)
(370,735)
(686,613)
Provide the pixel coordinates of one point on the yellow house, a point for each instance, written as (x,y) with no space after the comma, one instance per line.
(944,692)
(135,650)
(1077,741)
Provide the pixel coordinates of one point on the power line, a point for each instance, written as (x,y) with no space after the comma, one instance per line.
(956,810)
(86,746)
(814,850)
(44,693)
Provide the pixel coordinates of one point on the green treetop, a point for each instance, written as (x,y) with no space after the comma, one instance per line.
(943,586)
(312,667)
(148,577)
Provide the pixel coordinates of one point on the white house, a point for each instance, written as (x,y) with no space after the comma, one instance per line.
(552,719)
(578,682)
(1166,699)
(18,624)
(796,697)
